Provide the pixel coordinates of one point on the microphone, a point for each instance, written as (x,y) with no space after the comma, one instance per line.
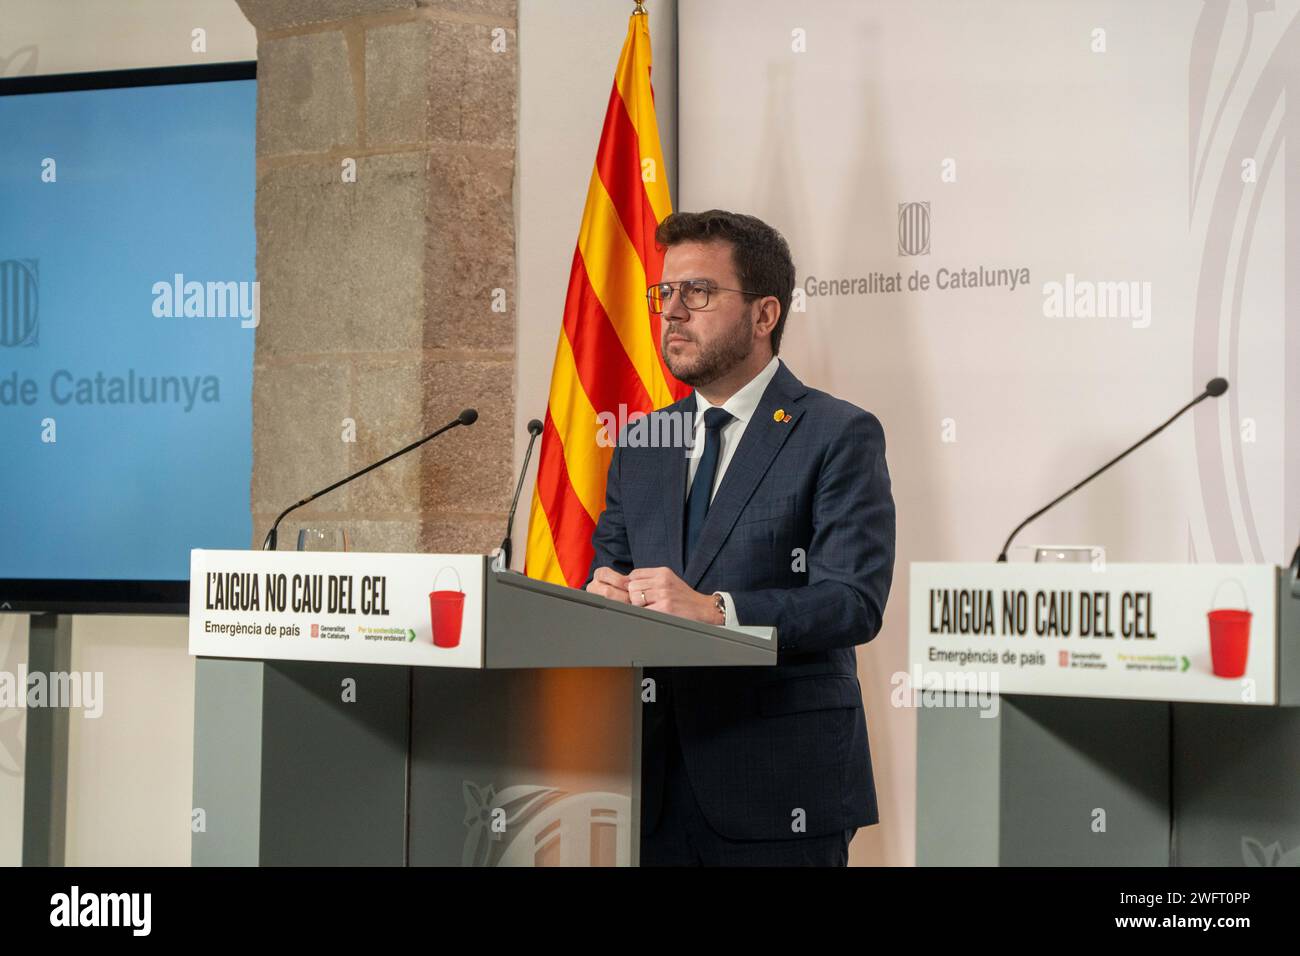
(1213,389)
(468,417)
(503,564)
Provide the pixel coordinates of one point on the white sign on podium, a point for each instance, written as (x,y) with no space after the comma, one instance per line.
(1177,632)
(406,609)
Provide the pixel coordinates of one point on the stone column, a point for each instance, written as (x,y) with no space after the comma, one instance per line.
(386,256)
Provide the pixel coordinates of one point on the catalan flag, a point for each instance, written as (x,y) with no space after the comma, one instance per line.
(609,354)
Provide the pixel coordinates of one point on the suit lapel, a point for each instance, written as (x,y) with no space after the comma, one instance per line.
(764,436)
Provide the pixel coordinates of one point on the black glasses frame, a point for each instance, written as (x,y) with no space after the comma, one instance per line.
(675,287)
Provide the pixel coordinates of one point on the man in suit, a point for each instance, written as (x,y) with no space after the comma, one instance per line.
(780,514)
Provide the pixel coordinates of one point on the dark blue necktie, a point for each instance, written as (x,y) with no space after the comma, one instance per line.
(697,505)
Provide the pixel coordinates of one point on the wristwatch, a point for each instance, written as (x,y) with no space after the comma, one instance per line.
(721,605)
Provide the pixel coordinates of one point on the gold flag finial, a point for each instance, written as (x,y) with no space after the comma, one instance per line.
(640,10)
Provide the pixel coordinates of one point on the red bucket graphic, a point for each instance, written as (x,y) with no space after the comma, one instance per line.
(1229,635)
(446,611)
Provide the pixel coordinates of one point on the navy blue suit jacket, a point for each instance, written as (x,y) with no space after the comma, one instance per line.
(801,533)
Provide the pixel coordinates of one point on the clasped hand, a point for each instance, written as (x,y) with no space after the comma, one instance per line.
(659,589)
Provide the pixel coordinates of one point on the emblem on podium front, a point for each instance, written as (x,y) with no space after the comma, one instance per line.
(530,825)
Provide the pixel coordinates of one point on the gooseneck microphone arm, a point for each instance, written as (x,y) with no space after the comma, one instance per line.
(468,417)
(1213,389)
(534,429)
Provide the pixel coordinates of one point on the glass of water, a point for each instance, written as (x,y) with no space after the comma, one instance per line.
(322,539)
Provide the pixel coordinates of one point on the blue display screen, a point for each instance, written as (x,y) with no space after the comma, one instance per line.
(127,321)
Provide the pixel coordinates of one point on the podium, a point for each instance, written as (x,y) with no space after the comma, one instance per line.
(340,721)
(1160,735)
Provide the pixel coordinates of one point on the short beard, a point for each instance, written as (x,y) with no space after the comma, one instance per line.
(716,360)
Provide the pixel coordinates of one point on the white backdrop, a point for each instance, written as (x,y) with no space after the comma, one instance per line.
(1142,144)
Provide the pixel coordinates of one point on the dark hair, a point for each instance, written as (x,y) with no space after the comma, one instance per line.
(759,253)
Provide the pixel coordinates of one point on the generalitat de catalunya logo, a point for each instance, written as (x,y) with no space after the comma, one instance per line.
(19,303)
(913,228)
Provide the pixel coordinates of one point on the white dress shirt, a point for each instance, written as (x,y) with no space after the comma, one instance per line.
(742,406)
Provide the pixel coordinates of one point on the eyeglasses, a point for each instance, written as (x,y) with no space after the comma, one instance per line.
(694,292)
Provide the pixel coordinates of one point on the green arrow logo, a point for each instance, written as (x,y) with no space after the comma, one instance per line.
(1186,664)
(412,637)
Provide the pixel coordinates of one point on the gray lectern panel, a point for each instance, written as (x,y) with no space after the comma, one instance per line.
(957,780)
(1084,782)
(525,767)
(334,755)
(227,762)
(1236,785)
(534,624)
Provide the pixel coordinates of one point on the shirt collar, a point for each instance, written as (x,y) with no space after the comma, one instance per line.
(744,403)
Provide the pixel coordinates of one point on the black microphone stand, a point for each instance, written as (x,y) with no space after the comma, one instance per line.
(1214,388)
(502,561)
(468,417)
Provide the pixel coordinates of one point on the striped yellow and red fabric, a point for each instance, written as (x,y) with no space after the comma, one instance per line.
(608,353)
